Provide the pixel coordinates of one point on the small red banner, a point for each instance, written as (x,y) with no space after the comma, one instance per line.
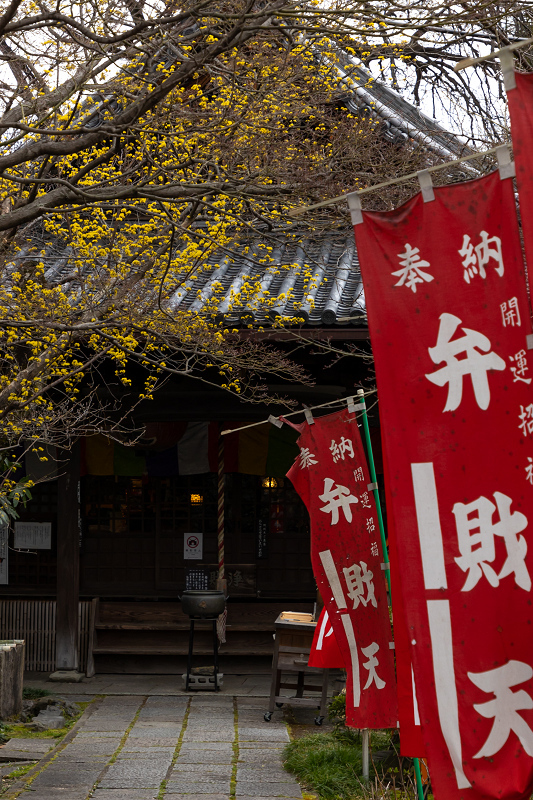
(332,479)
(448,314)
(325,652)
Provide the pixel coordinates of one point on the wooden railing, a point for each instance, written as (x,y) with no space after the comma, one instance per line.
(35,622)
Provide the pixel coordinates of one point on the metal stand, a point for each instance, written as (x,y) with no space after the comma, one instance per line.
(215,653)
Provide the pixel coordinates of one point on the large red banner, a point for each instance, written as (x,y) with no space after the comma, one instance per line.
(520,100)
(331,477)
(448,314)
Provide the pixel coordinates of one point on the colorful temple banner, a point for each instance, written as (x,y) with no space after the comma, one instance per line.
(449,320)
(331,476)
(262,450)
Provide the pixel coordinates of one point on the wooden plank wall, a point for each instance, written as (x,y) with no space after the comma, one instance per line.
(35,622)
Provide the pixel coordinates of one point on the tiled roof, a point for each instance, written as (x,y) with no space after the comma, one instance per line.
(318,281)
(402,120)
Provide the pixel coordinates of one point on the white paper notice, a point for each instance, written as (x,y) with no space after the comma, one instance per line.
(4,552)
(33,535)
(193,546)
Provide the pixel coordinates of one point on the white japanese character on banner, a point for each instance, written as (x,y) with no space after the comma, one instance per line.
(335,498)
(510,313)
(365,500)
(529,470)
(374,549)
(474,363)
(306,458)
(476,258)
(370,665)
(412,268)
(358,475)
(358,577)
(505,706)
(520,368)
(526,415)
(370,526)
(478,550)
(338,450)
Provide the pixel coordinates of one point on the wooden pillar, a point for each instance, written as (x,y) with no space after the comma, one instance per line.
(68,560)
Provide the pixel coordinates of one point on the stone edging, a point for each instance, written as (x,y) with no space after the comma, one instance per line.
(17,787)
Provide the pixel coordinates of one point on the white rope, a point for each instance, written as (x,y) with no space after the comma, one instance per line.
(341,401)
(470,62)
(296,212)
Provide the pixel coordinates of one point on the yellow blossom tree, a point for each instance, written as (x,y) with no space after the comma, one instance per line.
(138,139)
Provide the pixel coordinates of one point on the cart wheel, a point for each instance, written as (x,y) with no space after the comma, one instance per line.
(319,720)
(279,705)
(268,716)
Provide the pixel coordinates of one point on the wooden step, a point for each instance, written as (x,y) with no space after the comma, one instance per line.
(182,626)
(182,650)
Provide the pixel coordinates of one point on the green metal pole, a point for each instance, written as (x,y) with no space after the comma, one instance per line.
(418,776)
(362,408)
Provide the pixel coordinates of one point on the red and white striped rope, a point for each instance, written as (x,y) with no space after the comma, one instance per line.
(221,480)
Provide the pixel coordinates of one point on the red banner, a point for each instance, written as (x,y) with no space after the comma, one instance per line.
(448,315)
(520,102)
(411,741)
(325,652)
(332,479)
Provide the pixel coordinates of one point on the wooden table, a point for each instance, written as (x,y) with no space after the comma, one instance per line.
(293,640)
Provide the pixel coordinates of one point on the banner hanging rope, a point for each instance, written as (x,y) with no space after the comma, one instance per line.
(471,62)
(296,212)
(277,421)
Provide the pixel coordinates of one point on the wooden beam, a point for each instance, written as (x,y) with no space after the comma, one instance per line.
(68,561)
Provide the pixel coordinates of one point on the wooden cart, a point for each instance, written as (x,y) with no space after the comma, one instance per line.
(293,639)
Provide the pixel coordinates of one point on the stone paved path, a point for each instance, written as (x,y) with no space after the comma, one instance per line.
(208,747)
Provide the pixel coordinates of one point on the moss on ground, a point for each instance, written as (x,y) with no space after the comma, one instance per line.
(17,731)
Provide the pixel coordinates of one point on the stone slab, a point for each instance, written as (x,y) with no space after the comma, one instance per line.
(188,746)
(207,736)
(142,749)
(205,757)
(267,772)
(206,796)
(57,793)
(247,789)
(67,675)
(198,787)
(155,731)
(122,794)
(32,749)
(241,796)
(260,752)
(8,767)
(202,772)
(91,747)
(60,774)
(135,774)
(264,734)
(153,755)
(210,724)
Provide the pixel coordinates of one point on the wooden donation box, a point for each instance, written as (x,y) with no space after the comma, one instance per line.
(292,646)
